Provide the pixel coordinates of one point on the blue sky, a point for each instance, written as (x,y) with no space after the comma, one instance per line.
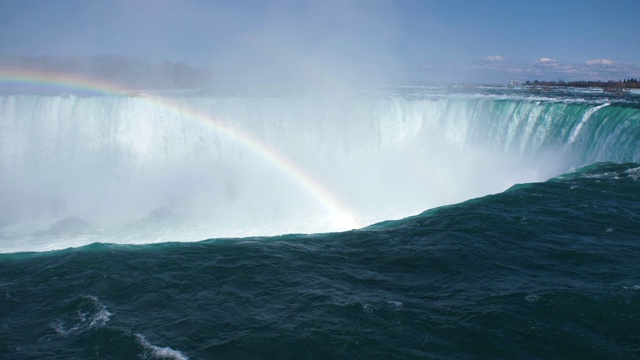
(487,41)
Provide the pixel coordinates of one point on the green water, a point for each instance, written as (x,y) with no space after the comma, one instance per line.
(543,270)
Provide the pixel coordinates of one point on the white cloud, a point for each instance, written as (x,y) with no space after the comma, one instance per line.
(493,58)
(544,60)
(553,69)
(600,62)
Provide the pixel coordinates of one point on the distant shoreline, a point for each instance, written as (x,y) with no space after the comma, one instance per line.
(607,86)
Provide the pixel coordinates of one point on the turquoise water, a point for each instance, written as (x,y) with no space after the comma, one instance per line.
(542,269)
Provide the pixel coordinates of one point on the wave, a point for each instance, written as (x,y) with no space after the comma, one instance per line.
(114,163)
(86,320)
(593,200)
(559,254)
(161,352)
(89,313)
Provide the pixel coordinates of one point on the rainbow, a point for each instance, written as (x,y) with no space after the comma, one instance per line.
(73,83)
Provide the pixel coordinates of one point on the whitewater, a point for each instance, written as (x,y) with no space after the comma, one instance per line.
(384,222)
(186,166)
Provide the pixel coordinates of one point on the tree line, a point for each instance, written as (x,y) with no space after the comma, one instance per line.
(613,85)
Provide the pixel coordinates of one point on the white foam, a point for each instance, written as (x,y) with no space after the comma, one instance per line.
(161,352)
(532,297)
(99,316)
(61,329)
(102,315)
(585,118)
(395,303)
(634,173)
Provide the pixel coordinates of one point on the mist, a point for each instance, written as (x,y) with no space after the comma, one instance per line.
(286,126)
(132,169)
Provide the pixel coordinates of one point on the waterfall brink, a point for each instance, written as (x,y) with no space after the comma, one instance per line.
(80,169)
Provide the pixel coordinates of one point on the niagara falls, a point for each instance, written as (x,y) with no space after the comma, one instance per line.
(319,180)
